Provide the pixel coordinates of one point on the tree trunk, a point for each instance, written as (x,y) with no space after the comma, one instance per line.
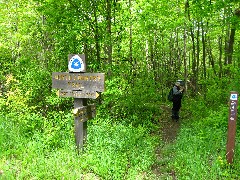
(220,56)
(197,54)
(131,45)
(229,50)
(96,35)
(204,53)
(210,56)
(178,50)
(109,35)
(193,78)
(230,46)
(185,54)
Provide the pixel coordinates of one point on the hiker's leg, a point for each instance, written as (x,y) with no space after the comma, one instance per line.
(177,109)
(175,114)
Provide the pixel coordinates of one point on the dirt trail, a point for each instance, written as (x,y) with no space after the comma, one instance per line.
(168,132)
(169,128)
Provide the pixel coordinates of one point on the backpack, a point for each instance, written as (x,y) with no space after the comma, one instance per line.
(170,95)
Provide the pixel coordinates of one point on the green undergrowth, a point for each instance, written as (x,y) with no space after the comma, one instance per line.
(112,151)
(200,149)
(37,135)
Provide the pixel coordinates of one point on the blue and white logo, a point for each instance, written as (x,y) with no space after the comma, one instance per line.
(75,64)
(234,97)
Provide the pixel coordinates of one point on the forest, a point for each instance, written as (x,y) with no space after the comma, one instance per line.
(143,47)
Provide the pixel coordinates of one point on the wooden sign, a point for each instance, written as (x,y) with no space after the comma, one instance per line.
(232,120)
(79,85)
(80,127)
(78,94)
(78,81)
(85,113)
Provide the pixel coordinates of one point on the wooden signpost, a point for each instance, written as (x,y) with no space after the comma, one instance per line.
(232,126)
(78,81)
(81,86)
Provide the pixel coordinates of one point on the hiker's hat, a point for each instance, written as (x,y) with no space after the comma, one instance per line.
(181,82)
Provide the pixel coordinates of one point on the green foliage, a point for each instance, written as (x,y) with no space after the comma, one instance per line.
(201,147)
(10,139)
(213,94)
(112,152)
(25,110)
(148,49)
(117,151)
(134,105)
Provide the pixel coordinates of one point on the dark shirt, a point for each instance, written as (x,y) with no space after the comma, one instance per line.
(177,94)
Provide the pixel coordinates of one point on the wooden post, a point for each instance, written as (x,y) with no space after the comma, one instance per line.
(80,85)
(232,126)
(80,126)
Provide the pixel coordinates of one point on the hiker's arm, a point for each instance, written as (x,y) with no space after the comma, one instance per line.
(176,91)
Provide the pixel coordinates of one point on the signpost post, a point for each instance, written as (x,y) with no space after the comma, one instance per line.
(232,126)
(81,86)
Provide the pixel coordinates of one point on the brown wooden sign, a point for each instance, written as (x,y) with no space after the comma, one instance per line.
(78,81)
(78,94)
(85,113)
(80,127)
(232,120)
(80,85)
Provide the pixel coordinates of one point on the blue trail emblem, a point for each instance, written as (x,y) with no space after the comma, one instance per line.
(75,64)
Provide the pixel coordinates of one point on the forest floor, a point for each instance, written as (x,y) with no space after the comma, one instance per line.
(168,132)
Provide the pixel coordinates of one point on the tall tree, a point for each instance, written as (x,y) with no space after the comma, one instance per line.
(232,35)
(109,30)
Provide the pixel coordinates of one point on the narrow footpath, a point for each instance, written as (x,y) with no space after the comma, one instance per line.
(168,133)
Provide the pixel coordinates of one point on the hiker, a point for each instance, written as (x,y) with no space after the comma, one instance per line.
(177,99)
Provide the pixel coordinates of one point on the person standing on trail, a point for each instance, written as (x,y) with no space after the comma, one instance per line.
(177,99)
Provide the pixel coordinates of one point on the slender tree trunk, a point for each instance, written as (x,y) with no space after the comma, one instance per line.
(210,56)
(232,35)
(204,59)
(152,59)
(193,78)
(130,33)
(171,61)
(197,53)
(226,38)
(178,50)
(204,53)
(185,56)
(220,56)
(96,35)
(15,49)
(226,47)
(157,63)
(109,34)
(230,46)
(131,43)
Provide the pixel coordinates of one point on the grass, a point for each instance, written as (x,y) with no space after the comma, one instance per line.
(112,151)
(201,147)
